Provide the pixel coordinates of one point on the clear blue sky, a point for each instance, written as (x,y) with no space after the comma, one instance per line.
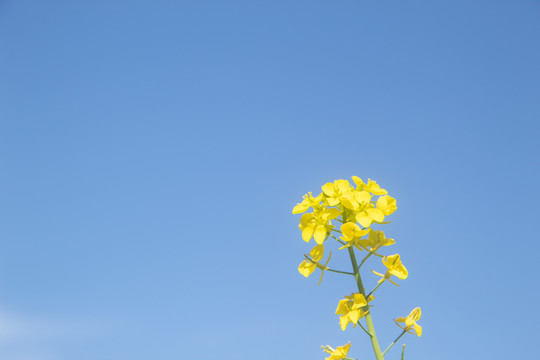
(151,153)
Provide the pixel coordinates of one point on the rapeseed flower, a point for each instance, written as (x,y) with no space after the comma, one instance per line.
(371,186)
(351,309)
(317,224)
(352,234)
(355,200)
(410,322)
(369,215)
(395,267)
(386,204)
(338,354)
(376,240)
(309,201)
(335,191)
(308,266)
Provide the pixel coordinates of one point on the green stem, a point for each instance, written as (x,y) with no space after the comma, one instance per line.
(327,269)
(339,272)
(369,321)
(376,287)
(364,260)
(363,328)
(341,242)
(394,342)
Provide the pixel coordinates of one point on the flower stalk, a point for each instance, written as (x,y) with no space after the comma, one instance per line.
(357,212)
(369,321)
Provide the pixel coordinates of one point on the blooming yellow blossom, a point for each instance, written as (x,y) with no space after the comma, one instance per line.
(338,354)
(309,201)
(371,186)
(410,322)
(351,309)
(355,200)
(369,215)
(316,254)
(395,267)
(317,224)
(376,240)
(386,204)
(335,192)
(352,232)
(308,267)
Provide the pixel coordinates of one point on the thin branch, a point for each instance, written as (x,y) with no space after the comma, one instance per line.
(363,328)
(393,343)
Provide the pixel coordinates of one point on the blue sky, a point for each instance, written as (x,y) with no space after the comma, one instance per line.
(151,153)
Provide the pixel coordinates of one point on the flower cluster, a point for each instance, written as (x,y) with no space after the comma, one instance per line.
(347,213)
(352,309)
(340,198)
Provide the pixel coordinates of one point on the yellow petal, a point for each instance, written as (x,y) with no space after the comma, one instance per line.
(317,252)
(400,272)
(374,188)
(375,214)
(328,189)
(306,219)
(363,219)
(342,351)
(332,213)
(320,234)
(342,185)
(342,307)
(300,208)
(362,196)
(306,268)
(400,319)
(415,314)
(359,301)
(354,315)
(349,203)
(359,183)
(343,321)
(332,201)
(307,233)
(418,329)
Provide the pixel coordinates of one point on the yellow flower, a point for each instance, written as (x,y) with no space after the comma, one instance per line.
(395,267)
(368,215)
(371,186)
(354,199)
(307,267)
(352,234)
(351,231)
(317,224)
(386,204)
(338,354)
(376,240)
(351,309)
(334,191)
(309,201)
(410,322)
